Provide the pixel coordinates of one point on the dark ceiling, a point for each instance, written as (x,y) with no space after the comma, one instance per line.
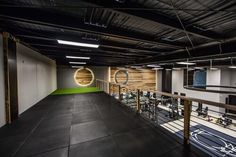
(128,31)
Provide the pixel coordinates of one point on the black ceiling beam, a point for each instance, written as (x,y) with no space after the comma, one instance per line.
(102,62)
(110,57)
(91,62)
(30,38)
(45,47)
(64,63)
(49,6)
(207,51)
(205,63)
(65,52)
(69,48)
(135,48)
(102,59)
(156,17)
(38,45)
(104,44)
(214,63)
(52,36)
(61,21)
(92,59)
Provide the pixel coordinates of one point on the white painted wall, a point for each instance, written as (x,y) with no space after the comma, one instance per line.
(65,76)
(225,81)
(36,77)
(233,77)
(213,78)
(2,93)
(228,78)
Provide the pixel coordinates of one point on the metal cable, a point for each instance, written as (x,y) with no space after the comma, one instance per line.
(180,21)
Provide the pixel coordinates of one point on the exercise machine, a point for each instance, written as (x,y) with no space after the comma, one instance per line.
(203,113)
(224,120)
(173,109)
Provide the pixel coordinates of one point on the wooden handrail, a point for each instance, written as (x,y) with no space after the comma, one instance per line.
(212,103)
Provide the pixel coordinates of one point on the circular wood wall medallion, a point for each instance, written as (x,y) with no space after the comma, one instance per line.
(121,77)
(84,77)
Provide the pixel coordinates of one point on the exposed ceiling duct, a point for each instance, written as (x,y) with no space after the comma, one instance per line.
(128,32)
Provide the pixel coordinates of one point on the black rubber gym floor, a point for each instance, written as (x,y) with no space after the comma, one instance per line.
(85,125)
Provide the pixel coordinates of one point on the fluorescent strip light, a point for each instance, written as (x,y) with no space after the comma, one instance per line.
(153,66)
(232,67)
(77,62)
(136,67)
(164,63)
(75,57)
(199,68)
(190,69)
(214,68)
(77,44)
(168,69)
(157,68)
(186,63)
(77,67)
(176,68)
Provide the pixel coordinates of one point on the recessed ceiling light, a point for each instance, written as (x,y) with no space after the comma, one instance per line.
(75,57)
(186,63)
(77,44)
(77,62)
(232,67)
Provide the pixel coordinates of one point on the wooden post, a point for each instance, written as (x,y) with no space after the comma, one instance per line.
(109,88)
(138,101)
(187,113)
(113,91)
(104,85)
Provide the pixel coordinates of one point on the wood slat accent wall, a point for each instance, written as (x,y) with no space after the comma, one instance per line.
(144,79)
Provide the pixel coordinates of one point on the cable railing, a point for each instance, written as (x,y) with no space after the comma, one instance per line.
(195,121)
